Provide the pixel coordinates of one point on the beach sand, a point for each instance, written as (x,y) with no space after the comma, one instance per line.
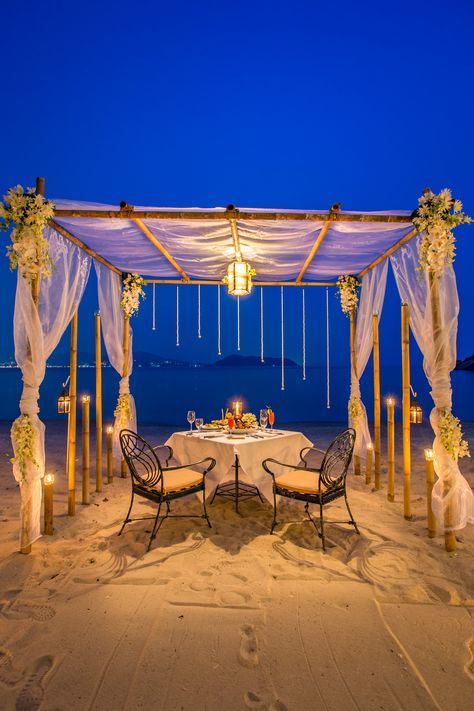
(232,617)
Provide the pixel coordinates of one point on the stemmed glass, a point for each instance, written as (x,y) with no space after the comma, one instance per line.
(263,418)
(199,423)
(191,418)
(271,418)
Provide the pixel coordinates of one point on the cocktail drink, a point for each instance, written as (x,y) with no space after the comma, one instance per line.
(230,422)
(271,417)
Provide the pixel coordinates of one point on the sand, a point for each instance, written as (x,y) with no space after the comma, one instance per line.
(233,618)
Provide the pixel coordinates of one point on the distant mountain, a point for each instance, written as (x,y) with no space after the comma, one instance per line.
(466,364)
(238,360)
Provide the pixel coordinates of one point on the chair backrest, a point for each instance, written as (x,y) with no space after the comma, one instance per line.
(141,459)
(337,459)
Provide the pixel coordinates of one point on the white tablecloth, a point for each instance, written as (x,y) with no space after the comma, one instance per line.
(284,446)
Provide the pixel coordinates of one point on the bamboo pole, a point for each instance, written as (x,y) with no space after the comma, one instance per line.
(98,405)
(72,421)
(156,243)
(86,402)
(110,456)
(377,407)
(406,411)
(368,463)
(437,323)
(126,349)
(391,448)
(48,491)
(430,480)
(354,372)
(79,243)
(390,251)
(218,282)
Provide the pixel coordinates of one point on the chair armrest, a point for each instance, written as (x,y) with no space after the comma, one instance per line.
(164,446)
(194,464)
(309,449)
(284,464)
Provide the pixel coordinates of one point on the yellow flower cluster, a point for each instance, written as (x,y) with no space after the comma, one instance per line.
(123,412)
(451,435)
(23,436)
(131,292)
(347,285)
(355,409)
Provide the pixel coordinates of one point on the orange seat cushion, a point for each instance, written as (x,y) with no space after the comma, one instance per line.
(180,479)
(305,482)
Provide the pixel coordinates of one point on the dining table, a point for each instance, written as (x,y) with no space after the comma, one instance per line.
(238,473)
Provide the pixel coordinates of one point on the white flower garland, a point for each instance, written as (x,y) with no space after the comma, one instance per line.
(451,435)
(347,285)
(132,290)
(23,436)
(29,251)
(436,217)
(123,411)
(354,408)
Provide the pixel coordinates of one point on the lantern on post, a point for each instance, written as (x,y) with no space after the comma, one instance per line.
(416,413)
(64,400)
(239,278)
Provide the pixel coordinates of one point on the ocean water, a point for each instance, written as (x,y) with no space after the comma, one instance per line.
(163,396)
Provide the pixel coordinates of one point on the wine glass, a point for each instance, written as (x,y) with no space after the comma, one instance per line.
(199,423)
(263,418)
(271,418)
(191,417)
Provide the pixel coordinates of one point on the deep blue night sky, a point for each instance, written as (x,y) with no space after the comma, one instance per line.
(270,104)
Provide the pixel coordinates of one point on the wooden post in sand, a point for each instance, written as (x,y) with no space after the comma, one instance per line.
(377,408)
(110,455)
(72,422)
(354,371)
(430,478)
(98,405)
(368,462)
(437,324)
(406,411)
(126,349)
(48,491)
(391,448)
(86,403)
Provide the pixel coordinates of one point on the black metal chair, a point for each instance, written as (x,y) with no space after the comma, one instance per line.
(317,486)
(158,483)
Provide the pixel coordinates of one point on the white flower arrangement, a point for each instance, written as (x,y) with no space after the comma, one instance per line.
(436,217)
(451,435)
(248,419)
(132,290)
(29,251)
(348,285)
(123,411)
(23,436)
(354,408)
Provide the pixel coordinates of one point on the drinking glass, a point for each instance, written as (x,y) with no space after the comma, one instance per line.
(191,417)
(199,423)
(271,418)
(263,418)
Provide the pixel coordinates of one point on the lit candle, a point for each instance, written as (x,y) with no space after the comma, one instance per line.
(48,504)
(368,462)
(110,460)
(430,477)
(237,408)
(86,402)
(391,448)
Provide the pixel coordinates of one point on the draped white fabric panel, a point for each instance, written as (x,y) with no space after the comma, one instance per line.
(439,358)
(36,334)
(371,302)
(109,287)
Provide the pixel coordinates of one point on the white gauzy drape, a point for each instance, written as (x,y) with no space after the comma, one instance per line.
(37,333)
(112,319)
(370,303)
(439,359)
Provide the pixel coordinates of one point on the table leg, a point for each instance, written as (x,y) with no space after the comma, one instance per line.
(236,466)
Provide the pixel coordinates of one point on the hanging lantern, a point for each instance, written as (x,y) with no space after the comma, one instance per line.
(239,278)
(64,402)
(416,413)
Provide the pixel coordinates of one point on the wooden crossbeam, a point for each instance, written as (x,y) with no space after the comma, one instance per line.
(215,282)
(333,212)
(160,247)
(390,251)
(221,215)
(69,236)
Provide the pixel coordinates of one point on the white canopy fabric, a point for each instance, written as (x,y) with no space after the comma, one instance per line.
(277,248)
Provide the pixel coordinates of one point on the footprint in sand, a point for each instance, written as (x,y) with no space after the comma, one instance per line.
(257,703)
(32,693)
(24,610)
(9,675)
(248,652)
(469,666)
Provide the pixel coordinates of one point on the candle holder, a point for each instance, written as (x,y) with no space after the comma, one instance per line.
(237,408)
(48,492)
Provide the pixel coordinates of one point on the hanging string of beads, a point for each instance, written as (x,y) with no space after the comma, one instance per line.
(238,323)
(153,318)
(303,305)
(219,319)
(199,311)
(282,340)
(262,359)
(177,315)
(328,391)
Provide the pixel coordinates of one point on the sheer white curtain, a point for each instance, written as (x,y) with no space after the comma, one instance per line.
(370,303)
(112,319)
(37,333)
(439,358)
